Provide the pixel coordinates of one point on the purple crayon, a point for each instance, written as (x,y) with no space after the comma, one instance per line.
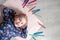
(24,3)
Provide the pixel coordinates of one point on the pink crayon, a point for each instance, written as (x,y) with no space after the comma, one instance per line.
(41,25)
(31,4)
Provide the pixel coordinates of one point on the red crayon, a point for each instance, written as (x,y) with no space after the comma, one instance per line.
(32,1)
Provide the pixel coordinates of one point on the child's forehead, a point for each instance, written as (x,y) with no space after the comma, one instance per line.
(20,18)
(20,15)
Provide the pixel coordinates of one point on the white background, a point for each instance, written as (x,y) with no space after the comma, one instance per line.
(50,16)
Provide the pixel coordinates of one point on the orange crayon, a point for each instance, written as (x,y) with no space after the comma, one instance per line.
(32,8)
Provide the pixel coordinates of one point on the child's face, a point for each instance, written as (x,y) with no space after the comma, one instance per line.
(20,22)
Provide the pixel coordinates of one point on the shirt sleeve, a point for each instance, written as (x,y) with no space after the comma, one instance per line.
(0,34)
(3,37)
(8,13)
(3,33)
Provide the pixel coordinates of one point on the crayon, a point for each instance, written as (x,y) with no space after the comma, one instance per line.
(37,10)
(31,8)
(31,4)
(41,25)
(33,38)
(37,33)
(32,1)
(24,3)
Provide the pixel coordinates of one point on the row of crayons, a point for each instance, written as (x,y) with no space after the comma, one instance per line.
(26,2)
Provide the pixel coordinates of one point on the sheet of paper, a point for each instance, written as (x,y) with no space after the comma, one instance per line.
(32,19)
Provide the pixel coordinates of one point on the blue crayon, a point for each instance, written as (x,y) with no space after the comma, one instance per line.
(37,33)
(37,10)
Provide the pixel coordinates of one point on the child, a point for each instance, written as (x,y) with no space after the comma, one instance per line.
(13,25)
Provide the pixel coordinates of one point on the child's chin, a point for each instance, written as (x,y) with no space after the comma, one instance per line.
(17,26)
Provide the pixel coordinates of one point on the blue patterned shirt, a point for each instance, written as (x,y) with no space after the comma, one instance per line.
(7,28)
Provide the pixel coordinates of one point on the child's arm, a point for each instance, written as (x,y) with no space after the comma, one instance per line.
(8,13)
